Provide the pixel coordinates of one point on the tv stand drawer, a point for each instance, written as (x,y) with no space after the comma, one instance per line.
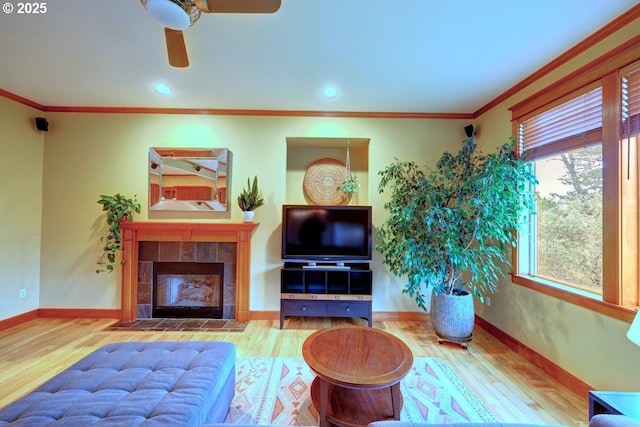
(303,307)
(324,308)
(348,308)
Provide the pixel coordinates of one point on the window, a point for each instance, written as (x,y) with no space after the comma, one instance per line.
(565,236)
(582,135)
(568,230)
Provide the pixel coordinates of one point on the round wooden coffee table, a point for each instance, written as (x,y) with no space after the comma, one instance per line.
(358,371)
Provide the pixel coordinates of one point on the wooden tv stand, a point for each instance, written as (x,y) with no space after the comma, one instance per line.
(325,290)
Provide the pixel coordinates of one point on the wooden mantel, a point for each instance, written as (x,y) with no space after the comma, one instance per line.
(135,232)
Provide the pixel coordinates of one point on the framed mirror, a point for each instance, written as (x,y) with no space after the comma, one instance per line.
(188,179)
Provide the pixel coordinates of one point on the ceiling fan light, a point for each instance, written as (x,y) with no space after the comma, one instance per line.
(168,14)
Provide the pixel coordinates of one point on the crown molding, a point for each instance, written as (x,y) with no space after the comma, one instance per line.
(604,32)
(595,38)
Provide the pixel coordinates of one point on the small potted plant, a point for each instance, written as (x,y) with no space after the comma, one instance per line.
(250,199)
(119,208)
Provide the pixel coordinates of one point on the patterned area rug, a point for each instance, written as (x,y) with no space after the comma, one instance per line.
(275,390)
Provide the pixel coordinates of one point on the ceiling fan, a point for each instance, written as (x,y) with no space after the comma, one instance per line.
(177,15)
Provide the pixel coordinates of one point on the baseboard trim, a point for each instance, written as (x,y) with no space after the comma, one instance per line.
(556,372)
(81,313)
(18,320)
(378,316)
(401,316)
(264,315)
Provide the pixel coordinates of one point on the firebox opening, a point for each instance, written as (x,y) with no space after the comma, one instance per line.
(188,290)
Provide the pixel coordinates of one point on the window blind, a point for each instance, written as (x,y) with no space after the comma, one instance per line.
(572,124)
(631,102)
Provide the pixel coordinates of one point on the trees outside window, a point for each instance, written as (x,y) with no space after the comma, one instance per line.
(569,218)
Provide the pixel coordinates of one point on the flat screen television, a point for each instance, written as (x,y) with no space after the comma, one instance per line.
(326,233)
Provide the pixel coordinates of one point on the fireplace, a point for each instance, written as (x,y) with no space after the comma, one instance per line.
(186,234)
(181,258)
(188,290)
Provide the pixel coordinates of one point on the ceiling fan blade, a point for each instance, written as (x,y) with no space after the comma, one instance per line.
(238,6)
(176,49)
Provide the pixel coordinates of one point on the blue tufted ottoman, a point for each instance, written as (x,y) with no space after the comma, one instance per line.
(134,384)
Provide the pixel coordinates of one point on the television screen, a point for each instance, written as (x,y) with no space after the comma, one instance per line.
(326,233)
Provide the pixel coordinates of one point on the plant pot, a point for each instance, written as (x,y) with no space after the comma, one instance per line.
(247,216)
(453,316)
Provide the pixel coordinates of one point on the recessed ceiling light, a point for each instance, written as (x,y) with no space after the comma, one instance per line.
(330,92)
(163,89)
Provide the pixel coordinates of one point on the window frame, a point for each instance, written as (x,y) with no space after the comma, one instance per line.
(620,197)
(575,140)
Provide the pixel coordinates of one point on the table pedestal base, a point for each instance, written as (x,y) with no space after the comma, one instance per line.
(349,407)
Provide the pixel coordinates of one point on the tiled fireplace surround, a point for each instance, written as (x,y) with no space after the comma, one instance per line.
(230,241)
(150,252)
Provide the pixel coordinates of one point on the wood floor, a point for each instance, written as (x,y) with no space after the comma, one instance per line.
(511,388)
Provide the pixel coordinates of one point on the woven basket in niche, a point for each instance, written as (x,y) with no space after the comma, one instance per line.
(321,181)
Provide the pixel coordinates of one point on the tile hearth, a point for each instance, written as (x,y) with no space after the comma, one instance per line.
(185,325)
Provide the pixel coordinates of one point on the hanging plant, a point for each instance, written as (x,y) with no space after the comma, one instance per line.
(350,184)
(119,208)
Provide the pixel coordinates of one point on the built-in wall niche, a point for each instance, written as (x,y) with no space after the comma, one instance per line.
(303,152)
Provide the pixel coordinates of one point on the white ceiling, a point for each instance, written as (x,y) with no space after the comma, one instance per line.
(450,56)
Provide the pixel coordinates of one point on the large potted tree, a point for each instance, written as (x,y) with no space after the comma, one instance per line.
(449,228)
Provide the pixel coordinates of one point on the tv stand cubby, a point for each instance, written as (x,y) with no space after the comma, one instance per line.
(325,290)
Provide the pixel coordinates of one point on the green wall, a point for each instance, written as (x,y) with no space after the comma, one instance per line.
(21,148)
(90,154)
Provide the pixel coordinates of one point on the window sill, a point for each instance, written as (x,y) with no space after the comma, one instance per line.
(591,303)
